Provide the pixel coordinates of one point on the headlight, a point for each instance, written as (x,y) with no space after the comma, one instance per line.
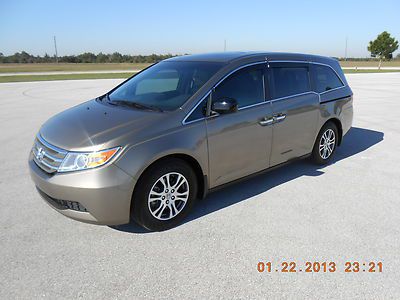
(75,161)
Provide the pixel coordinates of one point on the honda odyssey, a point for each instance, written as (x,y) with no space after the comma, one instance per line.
(147,149)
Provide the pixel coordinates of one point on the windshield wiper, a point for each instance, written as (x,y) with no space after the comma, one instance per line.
(135,105)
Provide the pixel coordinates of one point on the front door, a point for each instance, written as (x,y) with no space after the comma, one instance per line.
(239,143)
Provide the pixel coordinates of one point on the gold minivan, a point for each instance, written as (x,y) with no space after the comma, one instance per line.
(150,147)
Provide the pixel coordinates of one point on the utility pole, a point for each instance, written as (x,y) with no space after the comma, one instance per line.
(345,51)
(55,48)
(224,45)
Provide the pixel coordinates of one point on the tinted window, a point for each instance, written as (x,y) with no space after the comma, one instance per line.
(325,79)
(164,81)
(289,81)
(166,85)
(245,86)
(199,112)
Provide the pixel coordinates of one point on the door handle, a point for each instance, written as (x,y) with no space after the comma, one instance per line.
(275,119)
(266,121)
(280,117)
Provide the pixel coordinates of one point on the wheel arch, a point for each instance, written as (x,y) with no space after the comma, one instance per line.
(339,127)
(192,162)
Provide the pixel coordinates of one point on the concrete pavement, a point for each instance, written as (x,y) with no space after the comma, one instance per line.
(70,72)
(347,211)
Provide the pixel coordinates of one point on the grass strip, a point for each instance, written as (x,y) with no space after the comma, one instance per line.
(354,71)
(28,78)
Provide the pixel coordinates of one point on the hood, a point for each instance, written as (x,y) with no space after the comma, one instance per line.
(93,126)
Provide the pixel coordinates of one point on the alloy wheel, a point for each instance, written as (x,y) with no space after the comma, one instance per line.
(327,144)
(168,196)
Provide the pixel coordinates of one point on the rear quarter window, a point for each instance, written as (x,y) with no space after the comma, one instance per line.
(325,79)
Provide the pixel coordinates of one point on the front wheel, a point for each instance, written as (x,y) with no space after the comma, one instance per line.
(325,145)
(164,195)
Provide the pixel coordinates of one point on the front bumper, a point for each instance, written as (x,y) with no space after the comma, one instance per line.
(103,194)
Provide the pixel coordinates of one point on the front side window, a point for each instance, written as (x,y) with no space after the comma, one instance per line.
(245,86)
(289,81)
(325,79)
(166,85)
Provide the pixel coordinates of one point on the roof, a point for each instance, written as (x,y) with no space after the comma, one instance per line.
(227,57)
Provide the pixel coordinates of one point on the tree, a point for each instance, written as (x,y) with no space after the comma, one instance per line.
(383,47)
(46,58)
(116,57)
(87,57)
(101,58)
(68,59)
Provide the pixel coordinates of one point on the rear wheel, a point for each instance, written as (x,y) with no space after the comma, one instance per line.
(325,145)
(164,195)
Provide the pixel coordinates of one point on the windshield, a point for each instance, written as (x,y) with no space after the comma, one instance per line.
(166,85)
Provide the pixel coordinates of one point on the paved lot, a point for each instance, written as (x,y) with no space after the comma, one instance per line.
(349,210)
(71,72)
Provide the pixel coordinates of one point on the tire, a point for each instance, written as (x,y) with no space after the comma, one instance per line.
(157,204)
(325,144)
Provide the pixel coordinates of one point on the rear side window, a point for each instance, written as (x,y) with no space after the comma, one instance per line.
(289,81)
(325,79)
(245,86)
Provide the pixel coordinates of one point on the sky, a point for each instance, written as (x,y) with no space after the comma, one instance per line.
(178,27)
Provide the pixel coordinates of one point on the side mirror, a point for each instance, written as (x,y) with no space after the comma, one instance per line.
(225,106)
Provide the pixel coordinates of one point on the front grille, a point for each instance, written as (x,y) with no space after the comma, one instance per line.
(46,156)
(64,204)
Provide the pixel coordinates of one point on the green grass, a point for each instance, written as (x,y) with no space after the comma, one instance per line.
(52,67)
(370,71)
(392,63)
(27,78)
